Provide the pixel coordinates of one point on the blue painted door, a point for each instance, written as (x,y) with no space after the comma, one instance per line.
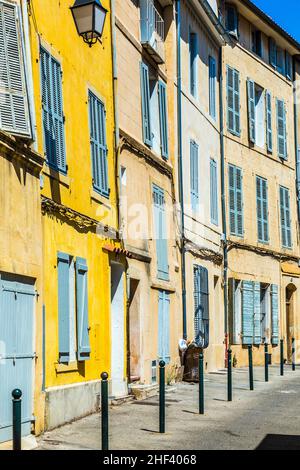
(17,353)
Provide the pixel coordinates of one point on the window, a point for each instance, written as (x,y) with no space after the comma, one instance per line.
(281,129)
(14,109)
(257,42)
(154,372)
(214,212)
(262,209)
(288,66)
(154,111)
(281,60)
(233,101)
(53,117)
(164,327)
(256,113)
(236,201)
(194,175)
(72,298)
(212,87)
(97,116)
(160,233)
(201,306)
(193,44)
(232,20)
(285,217)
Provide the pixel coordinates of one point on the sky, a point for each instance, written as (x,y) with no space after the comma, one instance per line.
(285,12)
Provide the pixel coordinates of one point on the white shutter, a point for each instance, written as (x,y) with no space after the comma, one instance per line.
(14,112)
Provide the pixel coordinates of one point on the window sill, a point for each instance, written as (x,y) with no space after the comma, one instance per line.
(61,178)
(97,197)
(62,368)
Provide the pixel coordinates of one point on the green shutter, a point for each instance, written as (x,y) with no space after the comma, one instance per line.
(194,175)
(247,312)
(212,87)
(145,93)
(251,110)
(257,315)
(269,121)
(63,266)
(233,101)
(160,233)
(236,201)
(214,212)
(262,209)
(281,129)
(97,117)
(273,52)
(275,314)
(163,118)
(83,340)
(285,216)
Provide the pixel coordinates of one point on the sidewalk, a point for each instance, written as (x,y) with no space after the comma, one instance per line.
(272,408)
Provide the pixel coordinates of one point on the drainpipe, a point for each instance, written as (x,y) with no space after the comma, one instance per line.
(180,170)
(296,138)
(224,222)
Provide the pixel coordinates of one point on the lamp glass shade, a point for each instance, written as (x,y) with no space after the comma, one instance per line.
(89,17)
(83,16)
(100,15)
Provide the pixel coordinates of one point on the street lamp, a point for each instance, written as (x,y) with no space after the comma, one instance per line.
(89,17)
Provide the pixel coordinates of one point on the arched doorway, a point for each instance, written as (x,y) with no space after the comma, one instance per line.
(290,311)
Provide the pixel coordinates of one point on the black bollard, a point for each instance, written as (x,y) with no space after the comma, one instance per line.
(281,358)
(162,398)
(229,376)
(266,362)
(251,381)
(104,410)
(17,419)
(201,383)
(293,354)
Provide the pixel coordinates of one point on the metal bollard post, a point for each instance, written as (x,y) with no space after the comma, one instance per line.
(201,383)
(162,398)
(281,358)
(17,419)
(293,354)
(266,362)
(104,410)
(250,355)
(229,376)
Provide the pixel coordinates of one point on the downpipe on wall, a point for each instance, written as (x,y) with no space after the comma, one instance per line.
(297,150)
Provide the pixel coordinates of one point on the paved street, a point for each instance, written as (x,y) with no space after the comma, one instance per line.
(252,418)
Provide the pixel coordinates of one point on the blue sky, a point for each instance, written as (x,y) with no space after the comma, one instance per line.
(285,12)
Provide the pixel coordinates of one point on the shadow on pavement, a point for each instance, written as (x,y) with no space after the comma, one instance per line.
(279,442)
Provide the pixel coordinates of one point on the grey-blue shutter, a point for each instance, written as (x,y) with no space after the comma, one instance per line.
(233,101)
(145,93)
(275,314)
(257,314)
(288,66)
(212,87)
(262,209)
(63,266)
(98,145)
(194,174)
(83,340)
(201,306)
(164,327)
(269,121)
(163,119)
(281,129)
(236,201)
(251,110)
(53,117)
(214,212)
(193,42)
(285,216)
(247,312)
(160,233)
(232,20)
(273,52)
(14,109)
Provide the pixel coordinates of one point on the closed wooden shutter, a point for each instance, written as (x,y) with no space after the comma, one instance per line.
(83,340)
(251,110)
(285,216)
(201,306)
(214,212)
(160,233)
(212,87)
(248,312)
(194,175)
(233,101)
(193,43)
(288,66)
(281,129)
(236,201)
(164,353)
(257,314)
(98,145)
(273,52)
(163,119)
(63,266)
(275,314)
(262,209)
(14,108)
(269,121)
(145,93)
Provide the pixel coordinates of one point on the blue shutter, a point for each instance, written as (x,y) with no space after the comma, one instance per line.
(273,52)
(83,340)
(269,121)
(63,266)
(160,233)
(262,209)
(233,101)
(53,117)
(98,145)
(201,306)
(236,201)
(251,110)
(288,66)
(193,63)
(164,327)
(285,216)
(212,87)
(281,129)
(257,314)
(232,20)
(194,175)
(163,117)
(214,212)
(275,314)
(145,92)
(247,312)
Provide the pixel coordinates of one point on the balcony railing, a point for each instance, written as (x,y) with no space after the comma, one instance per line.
(152,30)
